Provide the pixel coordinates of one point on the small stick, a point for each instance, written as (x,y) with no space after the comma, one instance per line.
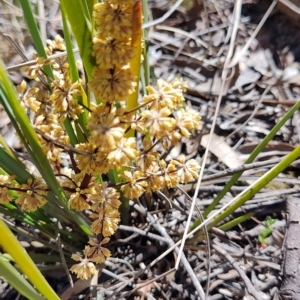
(250,288)
(62,256)
(237,14)
(143,233)
(184,260)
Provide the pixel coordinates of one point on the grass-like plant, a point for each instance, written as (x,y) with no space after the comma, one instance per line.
(93,145)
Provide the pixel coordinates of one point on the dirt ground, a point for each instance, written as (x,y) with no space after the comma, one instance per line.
(193,43)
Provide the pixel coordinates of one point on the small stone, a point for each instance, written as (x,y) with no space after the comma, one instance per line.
(25,244)
(37,244)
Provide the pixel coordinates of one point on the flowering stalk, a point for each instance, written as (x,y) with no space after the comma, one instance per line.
(117,49)
(136,43)
(108,141)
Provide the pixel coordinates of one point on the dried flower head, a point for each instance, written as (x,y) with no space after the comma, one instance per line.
(107,196)
(159,122)
(112,52)
(134,185)
(105,221)
(93,162)
(5,184)
(187,120)
(186,170)
(34,194)
(114,20)
(124,154)
(86,268)
(56,44)
(112,85)
(96,252)
(106,130)
(64,99)
(166,95)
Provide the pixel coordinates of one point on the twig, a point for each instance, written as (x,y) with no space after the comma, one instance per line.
(207,244)
(62,256)
(225,235)
(252,291)
(266,91)
(115,276)
(128,239)
(140,286)
(164,17)
(143,266)
(184,261)
(257,29)
(143,233)
(112,260)
(182,32)
(228,237)
(242,168)
(50,138)
(148,282)
(291,6)
(237,14)
(190,55)
(33,62)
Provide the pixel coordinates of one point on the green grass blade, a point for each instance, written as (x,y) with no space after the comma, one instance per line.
(236,221)
(12,246)
(5,103)
(13,212)
(13,167)
(66,215)
(72,241)
(53,258)
(71,57)
(32,237)
(35,34)
(79,17)
(251,158)
(74,77)
(73,74)
(20,120)
(32,142)
(70,132)
(258,185)
(16,280)
(8,149)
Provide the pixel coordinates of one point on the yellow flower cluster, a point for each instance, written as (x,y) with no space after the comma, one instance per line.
(52,106)
(6,183)
(112,82)
(93,253)
(112,79)
(31,195)
(160,120)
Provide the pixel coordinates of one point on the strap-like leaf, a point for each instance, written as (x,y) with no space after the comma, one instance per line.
(13,247)
(79,17)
